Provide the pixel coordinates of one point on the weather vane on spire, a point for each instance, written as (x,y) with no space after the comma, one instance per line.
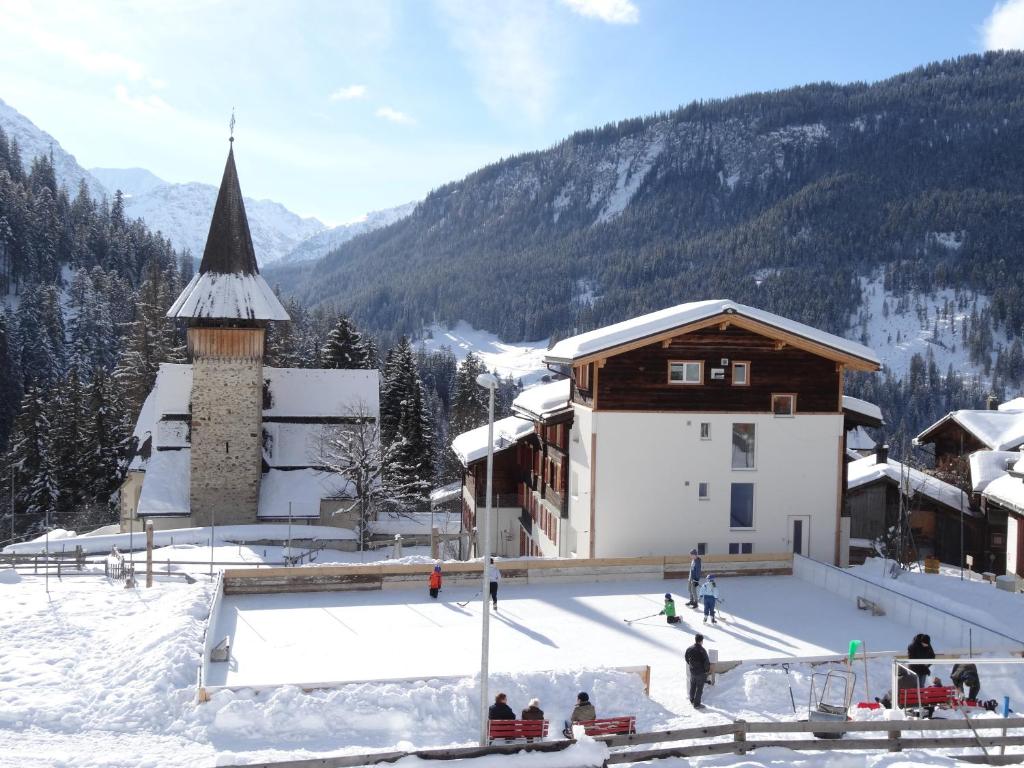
(231,125)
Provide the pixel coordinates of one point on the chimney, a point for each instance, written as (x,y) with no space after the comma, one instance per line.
(882,454)
(992,403)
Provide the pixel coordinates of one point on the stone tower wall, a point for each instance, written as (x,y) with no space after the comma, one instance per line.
(227,411)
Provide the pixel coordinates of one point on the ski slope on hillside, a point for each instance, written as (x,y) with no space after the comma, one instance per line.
(523,361)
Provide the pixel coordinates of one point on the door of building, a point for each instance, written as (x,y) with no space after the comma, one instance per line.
(799,534)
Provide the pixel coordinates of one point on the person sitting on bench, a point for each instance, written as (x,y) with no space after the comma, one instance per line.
(533,711)
(500,710)
(582,712)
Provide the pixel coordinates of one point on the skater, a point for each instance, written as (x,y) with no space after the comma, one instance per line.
(966,674)
(434,582)
(921,648)
(709,594)
(494,577)
(500,710)
(694,578)
(669,611)
(533,711)
(583,712)
(698,667)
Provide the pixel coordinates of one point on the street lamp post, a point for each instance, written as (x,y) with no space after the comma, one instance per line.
(488,382)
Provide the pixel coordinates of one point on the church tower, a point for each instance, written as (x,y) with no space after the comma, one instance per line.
(227,305)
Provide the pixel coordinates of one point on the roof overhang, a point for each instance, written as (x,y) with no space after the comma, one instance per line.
(725,319)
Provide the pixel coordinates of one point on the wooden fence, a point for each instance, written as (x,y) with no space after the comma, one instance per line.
(734,738)
(516,571)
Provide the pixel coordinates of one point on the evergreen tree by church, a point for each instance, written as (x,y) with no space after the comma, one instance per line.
(345,347)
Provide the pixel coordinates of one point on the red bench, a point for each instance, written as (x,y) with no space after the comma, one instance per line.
(517,729)
(932,696)
(609,726)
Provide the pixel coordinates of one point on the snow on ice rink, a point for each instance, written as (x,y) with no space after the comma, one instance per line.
(357,636)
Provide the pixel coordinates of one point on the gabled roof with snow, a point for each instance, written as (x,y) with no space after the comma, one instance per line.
(544,401)
(165,489)
(300,491)
(868,470)
(1016,404)
(998,430)
(857,439)
(655,324)
(987,466)
(863,407)
(472,446)
(1006,491)
(143,432)
(330,392)
(228,285)
(446,493)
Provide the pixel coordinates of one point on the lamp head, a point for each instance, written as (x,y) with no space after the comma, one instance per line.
(487,381)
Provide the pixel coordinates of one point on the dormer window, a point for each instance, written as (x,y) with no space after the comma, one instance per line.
(686,372)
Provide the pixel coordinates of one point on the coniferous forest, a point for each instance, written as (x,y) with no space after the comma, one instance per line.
(780,200)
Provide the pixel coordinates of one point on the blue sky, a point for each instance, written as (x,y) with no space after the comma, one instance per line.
(345,107)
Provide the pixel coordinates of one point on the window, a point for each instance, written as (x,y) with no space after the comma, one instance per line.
(583,376)
(702,490)
(702,548)
(741,506)
(741,548)
(742,446)
(686,372)
(741,374)
(705,430)
(783,405)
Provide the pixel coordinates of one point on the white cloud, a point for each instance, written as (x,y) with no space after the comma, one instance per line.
(348,93)
(611,11)
(1004,28)
(147,105)
(513,49)
(394,116)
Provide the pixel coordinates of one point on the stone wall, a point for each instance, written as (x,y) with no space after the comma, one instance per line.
(227,398)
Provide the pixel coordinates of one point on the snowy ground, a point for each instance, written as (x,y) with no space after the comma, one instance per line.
(523,361)
(92,674)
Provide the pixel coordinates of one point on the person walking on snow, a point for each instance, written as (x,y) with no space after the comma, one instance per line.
(494,577)
(694,578)
(698,667)
(709,594)
(434,582)
(669,611)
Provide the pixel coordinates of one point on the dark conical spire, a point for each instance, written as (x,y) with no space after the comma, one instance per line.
(229,245)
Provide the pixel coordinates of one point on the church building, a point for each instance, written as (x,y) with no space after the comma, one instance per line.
(226,440)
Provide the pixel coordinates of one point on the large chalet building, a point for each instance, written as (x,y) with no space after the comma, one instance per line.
(711,425)
(225,439)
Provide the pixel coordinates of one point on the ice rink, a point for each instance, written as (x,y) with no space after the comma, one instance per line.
(361,636)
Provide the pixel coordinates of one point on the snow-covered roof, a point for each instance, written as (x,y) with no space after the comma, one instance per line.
(173,389)
(299,489)
(143,431)
(419,523)
(293,444)
(654,323)
(1016,404)
(165,491)
(987,466)
(867,470)
(998,430)
(543,401)
(857,439)
(449,492)
(214,295)
(862,407)
(1007,491)
(311,392)
(472,446)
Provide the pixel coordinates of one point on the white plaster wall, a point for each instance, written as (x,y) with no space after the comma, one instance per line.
(1012,554)
(649,466)
(578,529)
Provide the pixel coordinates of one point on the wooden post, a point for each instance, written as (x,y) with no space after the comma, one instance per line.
(149,553)
(740,737)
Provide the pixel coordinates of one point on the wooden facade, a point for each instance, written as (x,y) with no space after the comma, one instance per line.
(225,343)
(544,483)
(638,379)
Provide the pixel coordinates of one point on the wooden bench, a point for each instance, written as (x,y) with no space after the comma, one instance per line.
(609,726)
(932,696)
(517,729)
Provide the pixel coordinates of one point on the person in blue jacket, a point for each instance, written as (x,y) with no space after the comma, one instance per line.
(709,594)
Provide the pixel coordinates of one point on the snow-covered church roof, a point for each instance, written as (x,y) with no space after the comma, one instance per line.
(651,325)
(228,285)
(301,407)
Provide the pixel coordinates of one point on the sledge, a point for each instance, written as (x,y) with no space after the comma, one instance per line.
(829,700)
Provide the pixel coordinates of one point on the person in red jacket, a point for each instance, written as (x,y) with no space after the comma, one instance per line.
(434,582)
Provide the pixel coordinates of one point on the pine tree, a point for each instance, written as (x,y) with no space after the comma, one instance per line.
(469,399)
(10,391)
(344,347)
(35,481)
(405,428)
(67,446)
